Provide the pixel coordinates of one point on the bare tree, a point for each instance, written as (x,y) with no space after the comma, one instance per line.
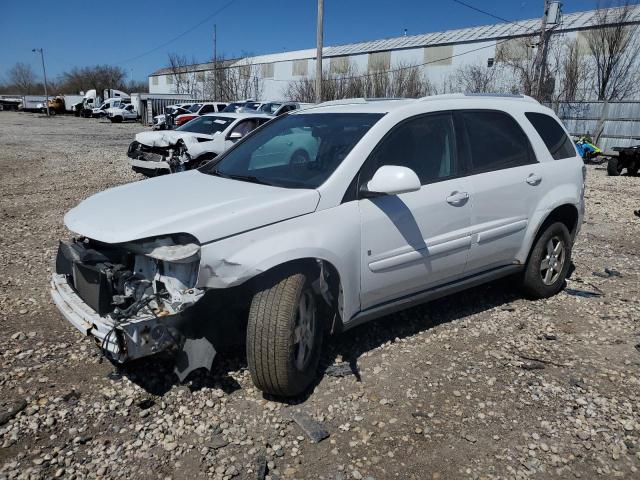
(22,78)
(97,77)
(183,75)
(571,72)
(517,55)
(403,80)
(475,78)
(614,45)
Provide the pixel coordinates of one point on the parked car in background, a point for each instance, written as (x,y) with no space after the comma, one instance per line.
(402,202)
(101,111)
(188,146)
(121,113)
(165,120)
(234,107)
(197,110)
(279,108)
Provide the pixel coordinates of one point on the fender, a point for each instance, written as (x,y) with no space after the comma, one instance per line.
(324,235)
(565,194)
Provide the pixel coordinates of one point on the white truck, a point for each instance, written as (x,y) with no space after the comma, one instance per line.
(93,101)
(122,112)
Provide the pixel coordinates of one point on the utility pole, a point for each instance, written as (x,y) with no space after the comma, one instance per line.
(543,46)
(319,51)
(215,62)
(44,73)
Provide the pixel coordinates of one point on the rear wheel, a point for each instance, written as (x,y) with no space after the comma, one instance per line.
(548,263)
(614,167)
(284,335)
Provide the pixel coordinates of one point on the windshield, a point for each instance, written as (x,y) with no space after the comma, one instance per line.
(207,125)
(232,107)
(269,107)
(195,107)
(295,151)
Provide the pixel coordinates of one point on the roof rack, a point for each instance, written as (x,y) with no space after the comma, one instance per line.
(359,100)
(513,96)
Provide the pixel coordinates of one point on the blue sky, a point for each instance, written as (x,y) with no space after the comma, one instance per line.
(119,32)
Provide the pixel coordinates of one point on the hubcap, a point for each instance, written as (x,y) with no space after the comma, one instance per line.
(552,263)
(303,333)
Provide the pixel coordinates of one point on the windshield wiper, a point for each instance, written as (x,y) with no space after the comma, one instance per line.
(244,178)
(247,178)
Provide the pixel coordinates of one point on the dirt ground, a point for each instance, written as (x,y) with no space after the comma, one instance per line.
(485,384)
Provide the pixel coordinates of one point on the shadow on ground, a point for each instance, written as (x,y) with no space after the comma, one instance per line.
(156,376)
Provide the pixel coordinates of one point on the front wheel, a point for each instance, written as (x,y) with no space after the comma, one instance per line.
(549,262)
(284,335)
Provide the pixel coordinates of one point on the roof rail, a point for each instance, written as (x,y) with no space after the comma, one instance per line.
(513,96)
(358,100)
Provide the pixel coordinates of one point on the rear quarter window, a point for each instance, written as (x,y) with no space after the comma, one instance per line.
(558,143)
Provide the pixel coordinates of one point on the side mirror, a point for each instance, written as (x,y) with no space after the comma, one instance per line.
(392,180)
(235,135)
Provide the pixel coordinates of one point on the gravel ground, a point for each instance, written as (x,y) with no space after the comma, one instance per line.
(481,385)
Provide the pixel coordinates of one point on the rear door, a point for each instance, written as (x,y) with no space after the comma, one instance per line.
(506,181)
(415,240)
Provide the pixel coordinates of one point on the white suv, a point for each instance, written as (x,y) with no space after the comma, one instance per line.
(321,220)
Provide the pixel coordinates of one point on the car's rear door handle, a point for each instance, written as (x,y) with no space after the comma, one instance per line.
(533,179)
(457,198)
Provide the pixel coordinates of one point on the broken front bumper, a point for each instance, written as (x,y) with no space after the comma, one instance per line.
(136,337)
(156,166)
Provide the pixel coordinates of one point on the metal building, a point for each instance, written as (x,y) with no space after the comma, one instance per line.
(438,54)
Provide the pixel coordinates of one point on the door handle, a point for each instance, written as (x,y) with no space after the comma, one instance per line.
(457,198)
(533,179)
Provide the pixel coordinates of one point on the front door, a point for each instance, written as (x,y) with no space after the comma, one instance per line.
(415,240)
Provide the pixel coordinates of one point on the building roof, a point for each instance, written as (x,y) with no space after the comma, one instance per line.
(569,22)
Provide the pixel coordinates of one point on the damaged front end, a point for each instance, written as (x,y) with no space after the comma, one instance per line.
(134,298)
(152,161)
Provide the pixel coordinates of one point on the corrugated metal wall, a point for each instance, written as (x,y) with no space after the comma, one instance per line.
(611,124)
(151,105)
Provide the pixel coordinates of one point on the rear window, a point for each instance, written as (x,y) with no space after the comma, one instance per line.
(495,141)
(553,136)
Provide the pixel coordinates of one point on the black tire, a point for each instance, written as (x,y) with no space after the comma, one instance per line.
(614,167)
(276,361)
(299,157)
(538,282)
(116,119)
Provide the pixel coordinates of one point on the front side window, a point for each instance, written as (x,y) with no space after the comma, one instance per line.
(294,151)
(493,141)
(552,134)
(244,127)
(195,107)
(424,144)
(207,125)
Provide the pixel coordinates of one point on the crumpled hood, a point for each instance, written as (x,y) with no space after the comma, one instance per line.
(169,137)
(206,206)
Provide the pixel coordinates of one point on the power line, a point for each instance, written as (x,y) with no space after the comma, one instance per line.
(479,10)
(168,42)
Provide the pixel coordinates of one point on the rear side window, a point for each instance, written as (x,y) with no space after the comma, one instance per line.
(494,141)
(553,136)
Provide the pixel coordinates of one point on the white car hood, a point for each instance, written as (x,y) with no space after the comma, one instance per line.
(169,137)
(206,206)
